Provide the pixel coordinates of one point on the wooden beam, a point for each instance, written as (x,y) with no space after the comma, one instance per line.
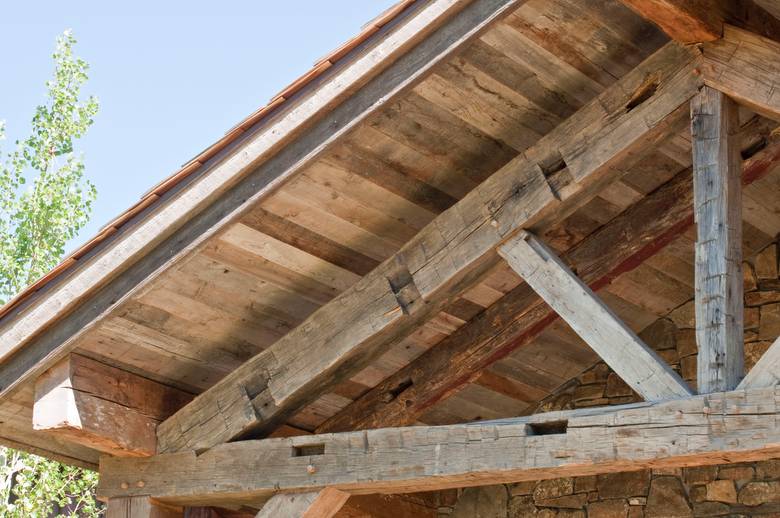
(519,316)
(233,181)
(745,67)
(766,372)
(442,259)
(717,187)
(102,407)
(700,430)
(696,21)
(313,504)
(620,348)
(140,507)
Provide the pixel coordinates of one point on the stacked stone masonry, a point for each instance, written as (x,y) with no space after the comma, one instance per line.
(734,490)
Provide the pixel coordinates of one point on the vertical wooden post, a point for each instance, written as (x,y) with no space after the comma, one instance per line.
(140,507)
(316,504)
(717,207)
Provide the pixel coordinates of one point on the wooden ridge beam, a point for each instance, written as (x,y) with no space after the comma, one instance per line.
(442,259)
(102,407)
(620,348)
(313,504)
(744,66)
(717,187)
(520,315)
(700,430)
(696,21)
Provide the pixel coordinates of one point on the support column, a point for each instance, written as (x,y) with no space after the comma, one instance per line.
(717,185)
(314,504)
(140,507)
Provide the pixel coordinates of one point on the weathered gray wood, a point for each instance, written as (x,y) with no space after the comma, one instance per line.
(233,181)
(626,353)
(766,372)
(313,504)
(700,430)
(102,407)
(745,67)
(139,507)
(717,187)
(437,263)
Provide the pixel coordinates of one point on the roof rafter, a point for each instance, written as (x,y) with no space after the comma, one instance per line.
(443,258)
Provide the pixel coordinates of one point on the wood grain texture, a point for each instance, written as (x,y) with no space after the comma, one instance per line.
(439,262)
(717,186)
(766,372)
(102,407)
(700,430)
(140,507)
(314,504)
(744,66)
(636,363)
(517,318)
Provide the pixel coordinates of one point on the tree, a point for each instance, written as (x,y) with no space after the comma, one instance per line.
(44,201)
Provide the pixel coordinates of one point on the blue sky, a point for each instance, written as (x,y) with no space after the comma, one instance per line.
(171,76)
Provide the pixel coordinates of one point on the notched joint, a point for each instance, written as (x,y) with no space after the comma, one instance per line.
(556,173)
(549,428)
(643,94)
(405,290)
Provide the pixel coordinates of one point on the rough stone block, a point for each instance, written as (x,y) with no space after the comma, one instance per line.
(584,484)
(769,328)
(667,499)
(608,509)
(757,493)
(623,485)
(766,263)
(700,474)
(737,473)
(768,469)
(553,488)
(722,491)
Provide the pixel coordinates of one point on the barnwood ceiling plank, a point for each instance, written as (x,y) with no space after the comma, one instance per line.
(312,504)
(717,187)
(520,316)
(234,181)
(766,372)
(457,247)
(696,21)
(745,66)
(102,407)
(636,363)
(699,430)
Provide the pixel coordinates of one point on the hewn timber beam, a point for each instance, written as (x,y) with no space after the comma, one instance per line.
(520,315)
(706,429)
(717,187)
(102,407)
(312,504)
(620,348)
(766,371)
(234,180)
(745,67)
(388,303)
(696,21)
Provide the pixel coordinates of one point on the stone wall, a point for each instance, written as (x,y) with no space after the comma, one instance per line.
(727,490)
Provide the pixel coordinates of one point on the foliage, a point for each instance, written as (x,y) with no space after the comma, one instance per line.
(44,201)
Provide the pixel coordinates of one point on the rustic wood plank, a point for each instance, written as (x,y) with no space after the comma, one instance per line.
(140,507)
(102,407)
(439,262)
(313,504)
(695,431)
(745,67)
(653,222)
(636,363)
(766,372)
(717,187)
(695,21)
(236,180)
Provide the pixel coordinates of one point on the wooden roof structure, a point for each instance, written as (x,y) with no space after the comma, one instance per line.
(391,243)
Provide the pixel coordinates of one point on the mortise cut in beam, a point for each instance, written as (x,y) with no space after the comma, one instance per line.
(313,504)
(717,187)
(700,430)
(102,407)
(636,363)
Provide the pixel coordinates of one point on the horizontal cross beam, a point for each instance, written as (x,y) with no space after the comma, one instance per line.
(707,429)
